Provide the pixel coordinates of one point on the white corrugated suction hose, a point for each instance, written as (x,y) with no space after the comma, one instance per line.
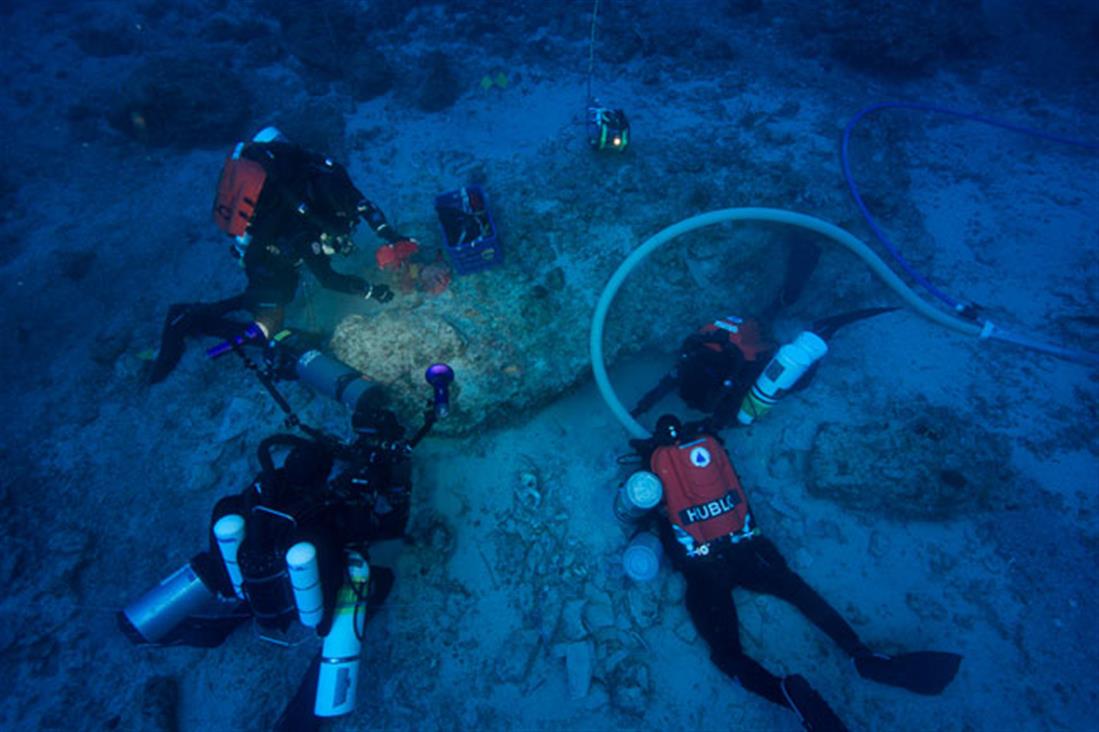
(830,231)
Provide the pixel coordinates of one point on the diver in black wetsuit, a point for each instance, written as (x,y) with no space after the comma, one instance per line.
(730,373)
(707,529)
(291,550)
(298,504)
(719,364)
(285,206)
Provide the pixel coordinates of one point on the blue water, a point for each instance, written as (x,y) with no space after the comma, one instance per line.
(511,609)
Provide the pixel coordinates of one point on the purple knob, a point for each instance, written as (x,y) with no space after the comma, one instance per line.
(440,376)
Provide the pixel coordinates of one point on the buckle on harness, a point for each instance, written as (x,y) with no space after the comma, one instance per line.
(704,549)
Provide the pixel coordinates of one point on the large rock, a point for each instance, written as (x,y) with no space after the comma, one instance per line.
(518,334)
(922,462)
(395,347)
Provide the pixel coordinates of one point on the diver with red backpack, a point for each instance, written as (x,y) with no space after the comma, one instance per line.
(730,372)
(708,531)
(284,206)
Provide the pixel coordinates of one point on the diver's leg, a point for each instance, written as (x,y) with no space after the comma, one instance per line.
(922,672)
(710,604)
(711,607)
(267,297)
(172,342)
(771,575)
(186,320)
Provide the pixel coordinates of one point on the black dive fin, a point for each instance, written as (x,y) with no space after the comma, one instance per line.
(814,712)
(298,715)
(827,327)
(800,265)
(923,672)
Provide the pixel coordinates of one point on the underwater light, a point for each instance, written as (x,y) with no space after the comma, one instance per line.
(608,129)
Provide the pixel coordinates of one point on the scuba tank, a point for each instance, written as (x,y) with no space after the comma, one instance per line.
(339,669)
(643,557)
(794,359)
(229,532)
(182,598)
(265,577)
(337,380)
(305,578)
(788,365)
(640,494)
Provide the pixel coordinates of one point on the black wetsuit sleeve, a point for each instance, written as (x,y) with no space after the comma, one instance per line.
(376,220)
(727,408)
(665,386)
(330,279)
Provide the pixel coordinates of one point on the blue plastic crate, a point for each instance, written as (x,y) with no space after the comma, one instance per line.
(469,232)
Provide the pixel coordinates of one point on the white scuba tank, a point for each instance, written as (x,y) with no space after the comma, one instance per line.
(305,578)
(229,532)
(789,364)
(339,670)
(641,493)
(643,557)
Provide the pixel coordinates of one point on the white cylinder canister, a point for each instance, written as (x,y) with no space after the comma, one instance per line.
(642,558)
(339,669)
(305,578)
(229,533)
(788,365)
(641,493)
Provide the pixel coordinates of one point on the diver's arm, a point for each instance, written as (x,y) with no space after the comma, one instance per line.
(330,279)
(665,386)
(376,220)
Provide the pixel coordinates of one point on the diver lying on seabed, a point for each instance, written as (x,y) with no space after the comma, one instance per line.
(728,371)
(707,528)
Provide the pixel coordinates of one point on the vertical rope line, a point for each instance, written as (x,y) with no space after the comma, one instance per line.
(591,46)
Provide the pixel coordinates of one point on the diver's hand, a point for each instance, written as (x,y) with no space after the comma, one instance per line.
(381,293)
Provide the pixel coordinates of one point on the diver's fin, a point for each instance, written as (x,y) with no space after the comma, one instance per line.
(298,715)
(827,327)
(800,265)
(814,712)
(923,672)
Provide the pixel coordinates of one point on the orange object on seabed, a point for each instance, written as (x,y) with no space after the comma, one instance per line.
(435,277)
(393,256)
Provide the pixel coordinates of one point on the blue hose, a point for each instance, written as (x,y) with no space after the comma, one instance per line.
(879,234)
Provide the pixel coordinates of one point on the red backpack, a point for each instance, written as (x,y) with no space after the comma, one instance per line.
(702,491)
(239,188)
